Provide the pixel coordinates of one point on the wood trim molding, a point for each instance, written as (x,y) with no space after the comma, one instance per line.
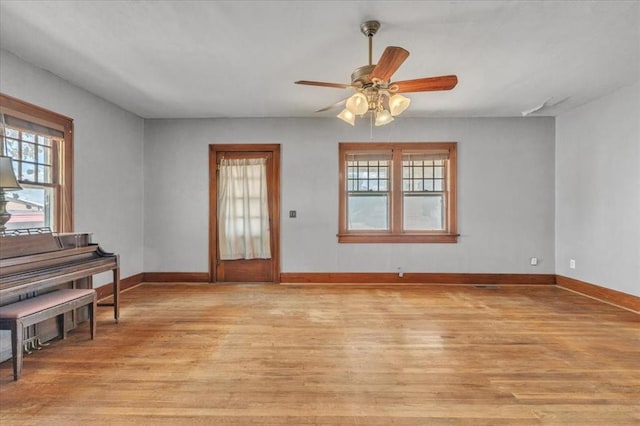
(176,277)
(358,278)
(64,190)
(125,283)
(604,294)
(106,290)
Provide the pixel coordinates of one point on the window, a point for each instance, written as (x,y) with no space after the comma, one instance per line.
(41,147)
(398,193)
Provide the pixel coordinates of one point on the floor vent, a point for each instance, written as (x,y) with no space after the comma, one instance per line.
(490,287)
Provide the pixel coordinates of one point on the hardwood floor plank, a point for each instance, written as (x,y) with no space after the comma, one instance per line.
(272,355)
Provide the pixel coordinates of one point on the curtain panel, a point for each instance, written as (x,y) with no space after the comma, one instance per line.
(243,209)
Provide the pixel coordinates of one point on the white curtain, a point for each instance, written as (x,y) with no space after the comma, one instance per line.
(243,209)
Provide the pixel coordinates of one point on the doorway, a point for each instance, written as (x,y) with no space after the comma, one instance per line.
(244,246)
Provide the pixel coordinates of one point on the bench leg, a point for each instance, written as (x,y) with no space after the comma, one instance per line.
(61,327)
(92,318)
(17,337)
(116,293)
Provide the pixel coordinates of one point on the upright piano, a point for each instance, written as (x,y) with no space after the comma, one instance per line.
(36,260)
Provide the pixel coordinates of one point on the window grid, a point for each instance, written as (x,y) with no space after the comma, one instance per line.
(32,156)
(368,176)
(420,176)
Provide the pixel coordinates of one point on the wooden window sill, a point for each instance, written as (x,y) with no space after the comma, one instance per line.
(398,238)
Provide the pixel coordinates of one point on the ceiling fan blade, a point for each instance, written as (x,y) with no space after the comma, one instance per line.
(323,84)
(327,108)
(389,62)
(428,84)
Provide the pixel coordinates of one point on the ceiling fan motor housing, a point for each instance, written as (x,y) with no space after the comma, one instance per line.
(360,77)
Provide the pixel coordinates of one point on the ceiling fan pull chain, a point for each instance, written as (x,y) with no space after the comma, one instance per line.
(371,126)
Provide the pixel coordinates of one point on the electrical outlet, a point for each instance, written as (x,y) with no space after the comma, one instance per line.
(292,213)
(534,261)
(572,263)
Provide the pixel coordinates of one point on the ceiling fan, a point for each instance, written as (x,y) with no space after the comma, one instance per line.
(375,93)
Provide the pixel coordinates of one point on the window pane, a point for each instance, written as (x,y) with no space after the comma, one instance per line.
(44,174)
(13,148)
(43,140)
(368,212)
(30,208)
(28,152)
(423,212)
(44,155)
(428,172)
(28,172)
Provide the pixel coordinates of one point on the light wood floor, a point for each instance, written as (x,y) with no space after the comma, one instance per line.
(256,354)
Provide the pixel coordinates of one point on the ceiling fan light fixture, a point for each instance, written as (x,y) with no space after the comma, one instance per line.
(398,103)
(358,103)
(383,117)
(347,116)
(375,90)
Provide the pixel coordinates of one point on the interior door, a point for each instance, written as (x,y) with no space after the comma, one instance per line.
(242,269)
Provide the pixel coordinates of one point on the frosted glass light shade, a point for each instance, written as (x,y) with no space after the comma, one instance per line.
(347,116)
(358,104)
(8,181)
(383,117)
(398,103)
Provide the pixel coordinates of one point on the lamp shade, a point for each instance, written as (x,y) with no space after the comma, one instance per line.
(383,117)
(8,181)
(347,116)
(398,103)
(358,104)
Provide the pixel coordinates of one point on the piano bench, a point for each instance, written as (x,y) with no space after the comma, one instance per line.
(24,313)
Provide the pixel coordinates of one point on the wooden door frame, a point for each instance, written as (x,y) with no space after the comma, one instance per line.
(213,203)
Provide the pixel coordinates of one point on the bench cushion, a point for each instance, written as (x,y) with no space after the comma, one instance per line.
(36,304)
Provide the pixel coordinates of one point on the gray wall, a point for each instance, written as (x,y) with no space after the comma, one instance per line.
(506,193)
(598,191)
(108,145)
(141,186)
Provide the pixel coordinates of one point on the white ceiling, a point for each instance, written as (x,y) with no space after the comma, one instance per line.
(171,59)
